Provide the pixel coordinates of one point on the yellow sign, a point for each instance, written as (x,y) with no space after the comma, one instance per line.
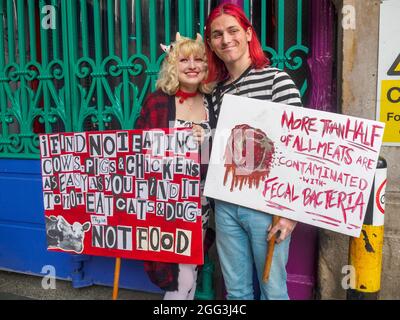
(390,109)
(395,68)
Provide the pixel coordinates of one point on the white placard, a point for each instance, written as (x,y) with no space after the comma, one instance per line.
(311,166)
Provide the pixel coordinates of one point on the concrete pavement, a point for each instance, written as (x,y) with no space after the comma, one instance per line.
(17,286)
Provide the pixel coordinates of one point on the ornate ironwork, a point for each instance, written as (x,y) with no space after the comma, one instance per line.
(94,69)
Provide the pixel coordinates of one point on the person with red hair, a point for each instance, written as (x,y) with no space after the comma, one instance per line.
(238,65)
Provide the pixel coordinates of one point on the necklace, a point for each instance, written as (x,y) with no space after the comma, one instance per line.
(242,77)
(184,95)
(236,85)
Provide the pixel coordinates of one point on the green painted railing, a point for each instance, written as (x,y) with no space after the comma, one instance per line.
(94,69)
(284,55)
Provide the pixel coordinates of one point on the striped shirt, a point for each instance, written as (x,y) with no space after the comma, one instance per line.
(265,84)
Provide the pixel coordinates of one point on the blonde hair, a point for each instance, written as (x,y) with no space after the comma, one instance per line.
(168,77)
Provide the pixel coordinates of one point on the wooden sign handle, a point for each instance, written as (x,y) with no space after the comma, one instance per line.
(116,278)
(270,252)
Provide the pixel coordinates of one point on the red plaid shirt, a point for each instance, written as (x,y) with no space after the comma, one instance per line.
(158,109)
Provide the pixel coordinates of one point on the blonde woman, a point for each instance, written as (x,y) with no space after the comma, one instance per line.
(180,101)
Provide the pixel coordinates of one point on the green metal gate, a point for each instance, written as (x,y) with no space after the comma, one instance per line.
(75,65)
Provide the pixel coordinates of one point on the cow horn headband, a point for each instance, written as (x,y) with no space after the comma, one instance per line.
(167,49)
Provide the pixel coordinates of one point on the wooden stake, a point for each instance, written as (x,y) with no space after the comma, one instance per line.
(270,251)
(116,278)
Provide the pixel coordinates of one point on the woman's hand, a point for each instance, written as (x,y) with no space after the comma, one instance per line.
(282,229)
(198,133)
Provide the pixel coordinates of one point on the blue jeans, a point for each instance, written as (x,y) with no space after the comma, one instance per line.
(241,235)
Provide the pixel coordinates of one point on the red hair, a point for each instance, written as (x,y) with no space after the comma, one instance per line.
(216,67)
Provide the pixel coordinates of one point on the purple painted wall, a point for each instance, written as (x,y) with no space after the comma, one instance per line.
(302,264)
(321,56)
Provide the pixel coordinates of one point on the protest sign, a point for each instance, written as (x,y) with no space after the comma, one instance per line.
(307,165)
(127,193)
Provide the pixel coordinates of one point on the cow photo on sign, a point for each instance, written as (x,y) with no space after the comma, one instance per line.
(64,236)
(306,165)
(130,194)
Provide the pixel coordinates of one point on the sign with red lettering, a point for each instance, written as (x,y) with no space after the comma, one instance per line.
(127,193)
(307,165)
